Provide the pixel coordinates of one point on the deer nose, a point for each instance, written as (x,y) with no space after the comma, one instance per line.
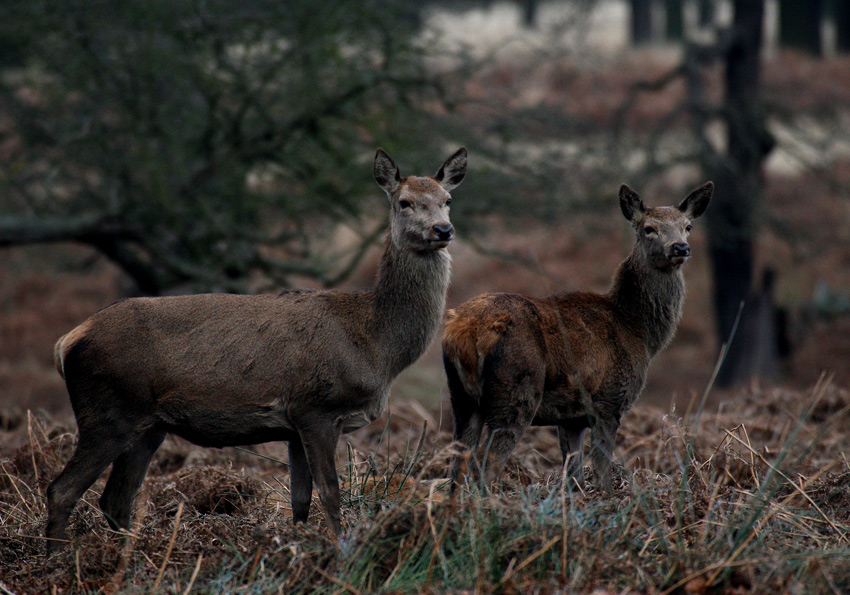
(443,231)
(681,249)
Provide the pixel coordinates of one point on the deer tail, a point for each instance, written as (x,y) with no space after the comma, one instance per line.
(64,345)
(467,341)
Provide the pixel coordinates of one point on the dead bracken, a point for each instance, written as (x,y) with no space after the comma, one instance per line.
(747,498)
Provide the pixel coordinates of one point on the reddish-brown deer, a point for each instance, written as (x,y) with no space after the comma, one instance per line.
(225,370)
(572,360)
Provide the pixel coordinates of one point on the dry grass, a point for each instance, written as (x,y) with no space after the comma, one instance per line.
(751,497)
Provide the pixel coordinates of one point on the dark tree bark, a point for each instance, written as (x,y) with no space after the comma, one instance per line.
(529,12)
(841,15)
(641,23)
(760,339)
(800,25)
(706,13)
(106,235)
(674,29)
(738,178)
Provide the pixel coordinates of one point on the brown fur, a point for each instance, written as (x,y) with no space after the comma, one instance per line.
(470,338)
(226,370)
(574,360)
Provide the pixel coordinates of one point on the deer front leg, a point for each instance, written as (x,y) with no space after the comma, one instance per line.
(319,444)
(571,441)
(602,436)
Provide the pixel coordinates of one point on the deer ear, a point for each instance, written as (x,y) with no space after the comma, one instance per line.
(386,172)
(630,203)
(697,201)
(452,172)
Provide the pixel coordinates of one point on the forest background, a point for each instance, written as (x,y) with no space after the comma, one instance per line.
(166,148)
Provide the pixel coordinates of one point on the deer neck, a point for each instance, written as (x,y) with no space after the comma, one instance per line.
(410,299)
(651,299)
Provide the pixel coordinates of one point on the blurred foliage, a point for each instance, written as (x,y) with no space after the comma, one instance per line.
(209,145)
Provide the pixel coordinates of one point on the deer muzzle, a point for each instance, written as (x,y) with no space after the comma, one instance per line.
(680,249)
(442,232)
(679,253)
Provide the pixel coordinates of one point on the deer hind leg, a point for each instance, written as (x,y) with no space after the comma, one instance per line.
(602,437)
(511,411)
(468,425)
(571,441)
(300,481)
(92,456)
(128,472)
(319,443)
(467,431)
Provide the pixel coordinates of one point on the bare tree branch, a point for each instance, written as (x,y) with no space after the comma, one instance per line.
(28,230)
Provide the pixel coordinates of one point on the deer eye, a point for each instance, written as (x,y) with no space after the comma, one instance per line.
(448,201)
(689,227)
(649,230)
(404,204)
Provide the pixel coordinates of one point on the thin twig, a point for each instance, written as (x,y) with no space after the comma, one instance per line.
(194,574)
(438,538)
(170,546)
(77,572)
(32,445)
(546,547)
(338,582)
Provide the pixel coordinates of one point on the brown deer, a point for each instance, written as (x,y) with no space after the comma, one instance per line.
(224,370)
(572,360)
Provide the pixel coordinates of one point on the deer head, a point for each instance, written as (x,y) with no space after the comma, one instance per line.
(662,232)
(420,205)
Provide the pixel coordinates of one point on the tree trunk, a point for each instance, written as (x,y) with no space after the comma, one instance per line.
(706,13)
(529,13)
(800,25)
(759,337)
(738,177)
(841,15)
(641,22)
(674,29)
